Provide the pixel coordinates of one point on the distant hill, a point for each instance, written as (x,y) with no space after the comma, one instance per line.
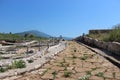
(67,38)
(35,33)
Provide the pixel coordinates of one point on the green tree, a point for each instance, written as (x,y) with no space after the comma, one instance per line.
(26,35)
(31,36)
(10,33)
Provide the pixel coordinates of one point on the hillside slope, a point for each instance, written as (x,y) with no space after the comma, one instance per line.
(34,32)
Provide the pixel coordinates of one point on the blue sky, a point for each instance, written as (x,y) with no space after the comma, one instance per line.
(69,18)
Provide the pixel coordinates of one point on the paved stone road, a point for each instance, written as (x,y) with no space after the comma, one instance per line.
(76,62)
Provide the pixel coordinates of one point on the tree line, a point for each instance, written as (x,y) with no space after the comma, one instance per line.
(17,38)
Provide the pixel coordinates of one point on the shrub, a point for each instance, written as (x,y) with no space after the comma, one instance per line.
(64,61)
(86,77)
(54,74)
(67,74)
(65,67)
(113,36)
(94,68)
(2,69)
(44,72)
(18,64)
(62,64)
(30,61)
(88,72)
(100,74)
(84,57)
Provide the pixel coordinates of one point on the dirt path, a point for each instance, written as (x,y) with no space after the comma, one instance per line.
(75,63)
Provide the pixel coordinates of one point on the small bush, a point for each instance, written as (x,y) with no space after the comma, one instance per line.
(2,69)
(86,77)
(62,64)
(84,57)
(44,72)
(100,74)
(64,61)
(18,64)
(88,72)
(54,74)
(113,36)
(65,67)
(94,68)
(30,61)
(67,74)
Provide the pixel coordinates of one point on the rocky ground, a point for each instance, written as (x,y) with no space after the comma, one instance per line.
(76,62)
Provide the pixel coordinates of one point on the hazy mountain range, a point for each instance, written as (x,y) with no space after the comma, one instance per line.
(39,34)
(35,33)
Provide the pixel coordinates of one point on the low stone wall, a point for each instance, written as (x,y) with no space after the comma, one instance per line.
(99,31)
(113,47)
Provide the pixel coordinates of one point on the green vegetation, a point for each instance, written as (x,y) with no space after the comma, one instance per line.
(10,37)
(93,69)
(84,57)
(86,77)
(64,61)
(114,35)
(99,36)
(67,73)
(99,74)
(18,64)
(2,69)
(16,38)
(54,74)
(45,72)
(30,61)
(88,73)
(65,67)
(62,64)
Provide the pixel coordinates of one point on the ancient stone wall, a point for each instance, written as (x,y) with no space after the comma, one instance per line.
(99,31)
(113,47)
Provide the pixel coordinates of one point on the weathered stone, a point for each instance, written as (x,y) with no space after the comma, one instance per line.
(113,47)
(95,78)
(108,75)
